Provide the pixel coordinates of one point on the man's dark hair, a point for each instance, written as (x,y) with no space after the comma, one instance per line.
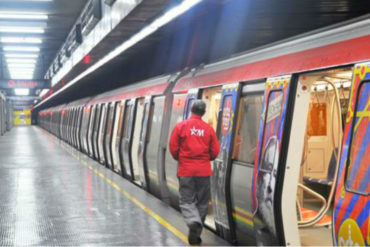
(198,107)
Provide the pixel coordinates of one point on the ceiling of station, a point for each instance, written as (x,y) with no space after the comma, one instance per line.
(62,15)
(213,30)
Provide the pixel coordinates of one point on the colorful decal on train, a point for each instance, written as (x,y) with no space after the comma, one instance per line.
(228,107)
(352,204)
(267,157)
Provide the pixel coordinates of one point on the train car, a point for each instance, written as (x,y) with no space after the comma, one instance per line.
(292,120)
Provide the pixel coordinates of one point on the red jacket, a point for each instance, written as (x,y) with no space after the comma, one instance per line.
(194,144)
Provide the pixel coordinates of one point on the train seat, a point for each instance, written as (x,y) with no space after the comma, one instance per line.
(328,181)
(306,214)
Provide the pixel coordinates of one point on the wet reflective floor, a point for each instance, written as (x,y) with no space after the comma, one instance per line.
(51,194)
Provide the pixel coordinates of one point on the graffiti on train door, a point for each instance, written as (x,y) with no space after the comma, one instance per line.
(351,224)
(220,166)
(266,164)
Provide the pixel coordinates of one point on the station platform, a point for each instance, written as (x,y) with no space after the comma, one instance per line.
(51,194)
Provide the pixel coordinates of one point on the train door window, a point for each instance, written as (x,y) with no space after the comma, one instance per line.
(136,137)
(358,172)
(153,142)
(212,98)
(244,152)
(171,164)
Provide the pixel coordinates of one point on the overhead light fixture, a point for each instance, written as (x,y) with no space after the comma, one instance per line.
(9,29)
(20,55)
(22,91)
(17,60)
(20,65)
(23,15)
(21,48)
(21,40)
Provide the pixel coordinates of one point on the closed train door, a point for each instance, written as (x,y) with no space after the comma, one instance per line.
(144,136)
(351,224)
(267,170)
(126,140)
(220,182)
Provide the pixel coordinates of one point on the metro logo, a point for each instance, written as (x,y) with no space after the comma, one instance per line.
(196,132)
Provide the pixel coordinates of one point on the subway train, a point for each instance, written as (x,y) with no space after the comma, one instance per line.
(292,119)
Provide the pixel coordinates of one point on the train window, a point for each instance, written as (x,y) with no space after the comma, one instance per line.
(250,110)
(225,125)
(358,172)
(188,107)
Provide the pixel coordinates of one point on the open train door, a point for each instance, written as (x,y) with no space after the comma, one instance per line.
(351,224)
(268,173)
(220,182)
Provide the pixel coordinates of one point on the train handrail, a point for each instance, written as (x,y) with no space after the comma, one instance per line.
(326,207)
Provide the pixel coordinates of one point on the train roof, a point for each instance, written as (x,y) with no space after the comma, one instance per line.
(154,86)
(344,43)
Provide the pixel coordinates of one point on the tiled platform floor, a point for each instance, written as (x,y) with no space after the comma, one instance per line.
(51,194)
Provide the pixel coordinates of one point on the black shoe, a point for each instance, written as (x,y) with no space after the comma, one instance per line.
(193,238)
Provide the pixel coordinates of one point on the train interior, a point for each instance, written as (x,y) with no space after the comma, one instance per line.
(212,98)
(320,153)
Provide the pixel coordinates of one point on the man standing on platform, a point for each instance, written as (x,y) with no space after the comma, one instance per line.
(194,144)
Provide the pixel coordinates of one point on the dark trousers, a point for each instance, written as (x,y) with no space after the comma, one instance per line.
(194,196)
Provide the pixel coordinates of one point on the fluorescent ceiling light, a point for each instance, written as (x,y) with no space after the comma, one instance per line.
(23,15)
(20,65)
(22,91)
(21,48)
(22,77)
(21,40)
(17,60)
(9,29)
(20,55)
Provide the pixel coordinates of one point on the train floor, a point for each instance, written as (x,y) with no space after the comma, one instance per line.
(51,194)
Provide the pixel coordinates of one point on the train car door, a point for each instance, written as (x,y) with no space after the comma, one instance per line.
(152,150)
(117,133)
(243,157)
(96,131)
(78,133)
(351,223)
(90,131)
(108,135)
(137,126)
(101,135)
(220,182)
(126,142)
(268,173)
(144,139)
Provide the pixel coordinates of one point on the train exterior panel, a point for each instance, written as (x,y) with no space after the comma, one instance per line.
(251,101)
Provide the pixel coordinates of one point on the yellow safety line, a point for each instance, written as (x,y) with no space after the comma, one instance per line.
(147,210)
